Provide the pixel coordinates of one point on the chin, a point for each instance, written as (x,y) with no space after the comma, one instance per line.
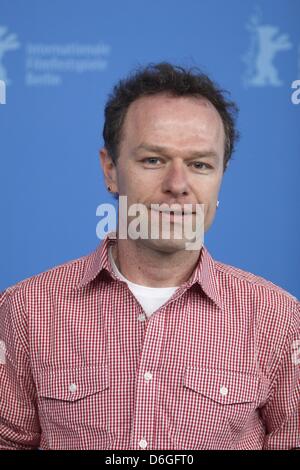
(166,246)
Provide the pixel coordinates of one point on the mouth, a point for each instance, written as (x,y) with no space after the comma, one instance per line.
(177,213)
(175,216)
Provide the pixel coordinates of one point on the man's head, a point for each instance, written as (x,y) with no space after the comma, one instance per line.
(174,80)
(169,134)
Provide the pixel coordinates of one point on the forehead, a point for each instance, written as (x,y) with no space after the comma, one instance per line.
(162,116)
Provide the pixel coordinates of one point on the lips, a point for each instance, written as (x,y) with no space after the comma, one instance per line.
(177,213)
(171,212)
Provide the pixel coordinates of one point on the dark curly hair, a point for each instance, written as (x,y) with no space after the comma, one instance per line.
(171,79)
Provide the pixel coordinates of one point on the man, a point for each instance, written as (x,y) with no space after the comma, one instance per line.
(145,344)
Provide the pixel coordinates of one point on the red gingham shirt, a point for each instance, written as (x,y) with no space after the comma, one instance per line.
(82,367)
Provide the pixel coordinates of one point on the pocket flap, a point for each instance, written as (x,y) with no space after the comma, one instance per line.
(222,386)
(73,383)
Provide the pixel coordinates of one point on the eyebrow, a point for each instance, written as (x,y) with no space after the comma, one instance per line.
(165,151)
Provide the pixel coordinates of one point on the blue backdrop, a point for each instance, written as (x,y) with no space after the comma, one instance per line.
(59,60)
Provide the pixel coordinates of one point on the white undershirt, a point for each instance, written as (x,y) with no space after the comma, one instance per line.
(150,298)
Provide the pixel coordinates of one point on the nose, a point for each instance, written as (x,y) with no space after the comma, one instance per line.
(175,179)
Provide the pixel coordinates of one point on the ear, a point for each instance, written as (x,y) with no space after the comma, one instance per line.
(109,170)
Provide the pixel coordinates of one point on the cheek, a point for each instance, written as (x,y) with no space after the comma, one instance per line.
(208,195)
(126,179)
(207,190)
(133,181)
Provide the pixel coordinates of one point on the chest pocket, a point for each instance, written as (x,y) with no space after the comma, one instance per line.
(71,384)
(73,407)
(213,408)
(224,387)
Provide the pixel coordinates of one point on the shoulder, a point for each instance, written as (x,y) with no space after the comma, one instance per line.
(63,277)
(248,280)
(272,305)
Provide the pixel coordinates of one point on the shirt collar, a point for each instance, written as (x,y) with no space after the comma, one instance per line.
(98,261)
(204,273)
(206,276)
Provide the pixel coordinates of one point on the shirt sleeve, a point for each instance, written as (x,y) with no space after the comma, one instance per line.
(282,412)
(19,423)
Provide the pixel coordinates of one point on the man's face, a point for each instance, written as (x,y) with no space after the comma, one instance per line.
(171,151)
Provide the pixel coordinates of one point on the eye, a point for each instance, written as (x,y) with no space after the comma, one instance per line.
(151,160)
(198,166)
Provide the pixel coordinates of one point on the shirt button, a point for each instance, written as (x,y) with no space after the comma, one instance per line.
(224,391)
(141,317)
(73,388)
(143,443)
(148,376)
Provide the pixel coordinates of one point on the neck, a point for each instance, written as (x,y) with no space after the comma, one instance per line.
(145,265)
